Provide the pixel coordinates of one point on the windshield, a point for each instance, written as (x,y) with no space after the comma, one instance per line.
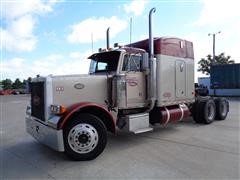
(104,62)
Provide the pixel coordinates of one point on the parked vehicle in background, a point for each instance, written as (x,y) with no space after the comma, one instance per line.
(13,91)
(224,80)
(18,91)
(225,76)
(6,92)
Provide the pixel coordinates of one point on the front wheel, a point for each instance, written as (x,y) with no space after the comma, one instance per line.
(85,137)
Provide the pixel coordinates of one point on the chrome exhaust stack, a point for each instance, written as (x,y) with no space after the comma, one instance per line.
(107,37)
(152,65)
(150,40)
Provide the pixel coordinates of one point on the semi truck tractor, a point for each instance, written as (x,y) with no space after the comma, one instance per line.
(130,88)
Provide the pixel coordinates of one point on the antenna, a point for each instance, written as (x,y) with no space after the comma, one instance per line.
(130,31)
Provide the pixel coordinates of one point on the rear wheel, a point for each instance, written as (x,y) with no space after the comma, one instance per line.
(205,111)
(85,137)
(222,108)
(209,112)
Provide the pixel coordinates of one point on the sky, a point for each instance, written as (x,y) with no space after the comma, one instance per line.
(55,36)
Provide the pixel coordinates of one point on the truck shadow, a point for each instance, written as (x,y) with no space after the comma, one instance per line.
(128,140)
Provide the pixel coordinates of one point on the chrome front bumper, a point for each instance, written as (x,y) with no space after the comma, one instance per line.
(45,134)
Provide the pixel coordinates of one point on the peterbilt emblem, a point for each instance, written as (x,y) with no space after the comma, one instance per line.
(79,86)
(36,100)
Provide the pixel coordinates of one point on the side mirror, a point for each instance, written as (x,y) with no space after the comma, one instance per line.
(145,63)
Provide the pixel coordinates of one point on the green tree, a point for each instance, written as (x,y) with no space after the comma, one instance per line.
(17,84)
(29,79)
(205,64)
(7,84)
(1,86)
(24,83)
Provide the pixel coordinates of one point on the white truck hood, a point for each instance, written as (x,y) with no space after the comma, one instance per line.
(71,89)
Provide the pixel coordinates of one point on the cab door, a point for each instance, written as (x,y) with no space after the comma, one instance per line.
(180,83)
(135,80)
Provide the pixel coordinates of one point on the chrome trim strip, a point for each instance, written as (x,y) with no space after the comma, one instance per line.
(180,106)
(168,116)
(53,121)
(48,95)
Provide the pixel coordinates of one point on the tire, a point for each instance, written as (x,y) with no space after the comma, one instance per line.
(222,108)
(195,112)
(198,108)
(205,111)
(209,112)
(85,137)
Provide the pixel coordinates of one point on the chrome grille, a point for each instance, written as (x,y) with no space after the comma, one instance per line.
(37,100)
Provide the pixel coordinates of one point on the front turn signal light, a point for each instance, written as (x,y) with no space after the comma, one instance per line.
(57,109)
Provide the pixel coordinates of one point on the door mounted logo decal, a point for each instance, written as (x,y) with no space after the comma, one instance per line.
(132,82)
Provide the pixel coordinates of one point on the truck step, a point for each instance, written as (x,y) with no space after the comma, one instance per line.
(143,130)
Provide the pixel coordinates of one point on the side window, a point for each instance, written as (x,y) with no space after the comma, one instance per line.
(101,66)
(132,62)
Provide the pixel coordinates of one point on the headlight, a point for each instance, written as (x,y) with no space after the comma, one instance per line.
(57,109)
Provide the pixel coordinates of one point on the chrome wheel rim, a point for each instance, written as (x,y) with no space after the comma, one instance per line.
(83,138)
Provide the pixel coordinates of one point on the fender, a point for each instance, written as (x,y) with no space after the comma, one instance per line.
(78,107)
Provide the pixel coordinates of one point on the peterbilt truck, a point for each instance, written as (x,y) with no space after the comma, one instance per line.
(130,88)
